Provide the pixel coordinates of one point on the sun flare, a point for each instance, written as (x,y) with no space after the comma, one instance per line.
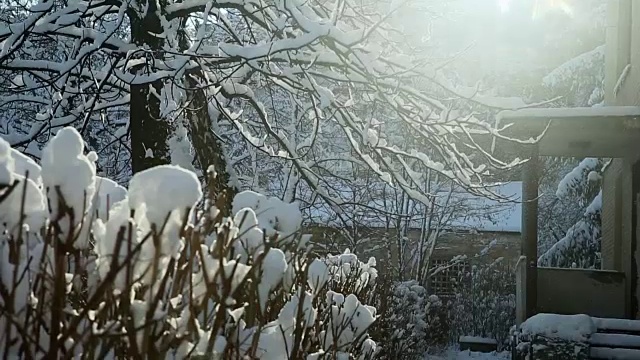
(542,7)
(504,5)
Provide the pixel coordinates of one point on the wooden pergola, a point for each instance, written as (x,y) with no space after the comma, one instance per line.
(611,132)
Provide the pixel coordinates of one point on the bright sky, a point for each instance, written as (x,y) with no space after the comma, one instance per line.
(540,7)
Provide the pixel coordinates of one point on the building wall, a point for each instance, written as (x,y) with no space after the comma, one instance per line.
(507,245)
(601,293)
(382,246)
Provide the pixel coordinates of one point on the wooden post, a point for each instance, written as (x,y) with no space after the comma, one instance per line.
(529,245)
(521,291)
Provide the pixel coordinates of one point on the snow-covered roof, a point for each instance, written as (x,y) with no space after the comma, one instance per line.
(500,217)
(473,213)
(578,112)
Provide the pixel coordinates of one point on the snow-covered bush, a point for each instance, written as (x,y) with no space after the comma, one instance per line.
(484,304)
(408,319)
(579,80)
(555,337)
(579,246)
(412,322)
(89,269)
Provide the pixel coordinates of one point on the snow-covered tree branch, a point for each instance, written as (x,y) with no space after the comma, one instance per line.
(237,75)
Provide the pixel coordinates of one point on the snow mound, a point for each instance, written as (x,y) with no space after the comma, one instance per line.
(108,192)
(273,215)
(12,164)
(163,189)
(24,165)
(69,177)
(568,327)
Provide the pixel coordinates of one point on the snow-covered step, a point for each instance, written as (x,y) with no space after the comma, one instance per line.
(615,340)
(614,354)
(477,344)
(617,325)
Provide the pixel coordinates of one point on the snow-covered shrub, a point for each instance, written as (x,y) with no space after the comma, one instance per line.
(580,246)
(555,337)
(484,304)
(579,80)
(408,320)
(412,322)
(89,269)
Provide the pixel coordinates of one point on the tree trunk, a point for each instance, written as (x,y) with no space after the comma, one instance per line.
(149,132)
(208,148)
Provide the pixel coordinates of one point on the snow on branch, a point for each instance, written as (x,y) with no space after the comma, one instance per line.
(286,82)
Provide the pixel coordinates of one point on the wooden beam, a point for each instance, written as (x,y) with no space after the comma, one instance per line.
(529,246)
(611,131)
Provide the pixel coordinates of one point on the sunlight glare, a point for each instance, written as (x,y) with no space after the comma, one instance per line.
(503,5)
(543,6)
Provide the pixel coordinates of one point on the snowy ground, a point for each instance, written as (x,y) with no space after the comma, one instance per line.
(467,355)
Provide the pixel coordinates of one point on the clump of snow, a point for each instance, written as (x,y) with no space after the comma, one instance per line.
(34,207)
(108,235)
(163,215)
(274,266)
(576,328)
(69,179)
(576,176)
(343,266)
(275,340)
(595,206)
(162,190)
(273,215)
(217,272)
(108,193)
(180,149)
(7,164)
(621,80)
(594,176)
(348,321)
(24,165)
(318,275)
(250,236)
